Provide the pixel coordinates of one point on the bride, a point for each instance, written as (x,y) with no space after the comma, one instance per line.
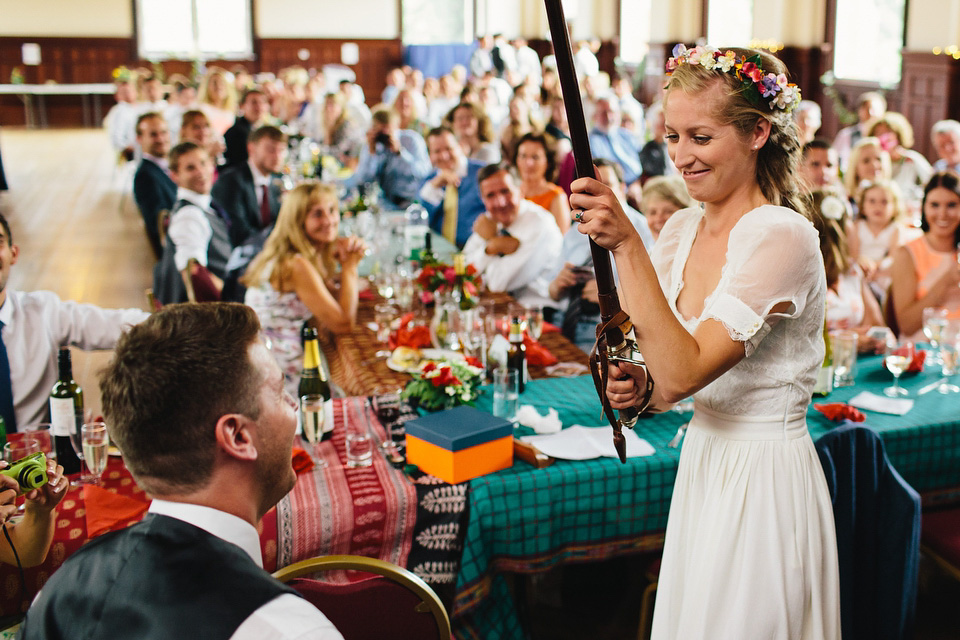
(729,308)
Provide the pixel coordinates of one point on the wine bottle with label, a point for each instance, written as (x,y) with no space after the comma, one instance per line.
(313,382)
(517,353)
(66,413)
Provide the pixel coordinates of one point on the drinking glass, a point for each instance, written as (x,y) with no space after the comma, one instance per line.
(844,344)
(383,316)
(77,444)
(535,322)
(43,434)
(949,344)
(95,442)
(934,322)
(506,393)
(388,405)
(359,445)
(20,448)
(897,359)
(312,418)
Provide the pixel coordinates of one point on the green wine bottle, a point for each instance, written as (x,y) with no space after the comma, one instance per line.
(66,413)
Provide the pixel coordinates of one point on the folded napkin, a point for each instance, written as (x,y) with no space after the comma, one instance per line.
(528,416)
(106,509)
(366,294)
(537,354)
(881,404)
(407,336)
(585,443)
(302,461)
(838,412)
(549,328)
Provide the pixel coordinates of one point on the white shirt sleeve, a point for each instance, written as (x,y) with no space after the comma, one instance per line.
(190,232)
(286,617)
(537,251)
(430,194)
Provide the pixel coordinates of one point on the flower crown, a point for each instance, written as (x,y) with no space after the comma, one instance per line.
(758,88)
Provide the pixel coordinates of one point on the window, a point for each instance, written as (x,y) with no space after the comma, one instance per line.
(868,40)
(729,23)
(634,30)
(194,29)
(437,21)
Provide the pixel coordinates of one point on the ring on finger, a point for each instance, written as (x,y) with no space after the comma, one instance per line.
(578,216)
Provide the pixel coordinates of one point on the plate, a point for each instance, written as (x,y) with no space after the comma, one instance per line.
(425,355)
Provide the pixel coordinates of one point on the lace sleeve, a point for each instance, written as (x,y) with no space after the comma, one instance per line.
(773,261)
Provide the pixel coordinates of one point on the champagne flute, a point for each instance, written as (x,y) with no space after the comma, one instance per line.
(77,443)
(535,322)
(94,442)
(312,416)
(897,360)
(934,323)
(948,355)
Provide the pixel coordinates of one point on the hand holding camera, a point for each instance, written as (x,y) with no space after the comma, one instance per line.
(39,479)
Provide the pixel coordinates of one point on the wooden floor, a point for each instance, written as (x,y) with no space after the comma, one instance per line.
(80,235)
(72,214)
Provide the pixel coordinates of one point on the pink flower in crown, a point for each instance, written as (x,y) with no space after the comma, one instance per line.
(752,71)
(782,81)
(694,54)
(672,65)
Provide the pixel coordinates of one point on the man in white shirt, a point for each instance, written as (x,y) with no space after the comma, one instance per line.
(516,243)
(120,121)
(33,327)
(946,142)
(196,404)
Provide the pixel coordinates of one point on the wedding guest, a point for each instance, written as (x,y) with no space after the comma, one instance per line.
(868,163)
(31,534)
(481,60)
(910,170)
(195,403)
(820,167)
(33,327)
(654,160)
(946,141)
(809,118)
(183,99)
(877,232)
(451,194)
(515,243)
(409,112)
(535,160)
(218,100)
(120,121)
(662,197)
(254,108)
(250,192)
(870,105)
(153,190)
(305,272)
(394,158)
(474,132)
(195,127)
(611,141)
(519,123)
(528,61)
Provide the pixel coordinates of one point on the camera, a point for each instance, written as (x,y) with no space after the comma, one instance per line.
(383,138)
(29,472)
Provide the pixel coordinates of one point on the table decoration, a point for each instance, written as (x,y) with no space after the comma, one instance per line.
(439,278)
(443,384)
(838,412)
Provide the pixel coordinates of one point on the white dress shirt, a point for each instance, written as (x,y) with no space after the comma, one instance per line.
(189,228)
(525,273)
(286,617)
(121,125)
(36,325)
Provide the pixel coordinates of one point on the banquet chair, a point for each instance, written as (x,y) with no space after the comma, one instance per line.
(877,517)
(940,539)
(392,603)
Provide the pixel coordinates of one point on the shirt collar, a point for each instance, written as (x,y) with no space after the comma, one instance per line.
(218,523)
(157,160)
(202,200)
(6,311)
(259,179)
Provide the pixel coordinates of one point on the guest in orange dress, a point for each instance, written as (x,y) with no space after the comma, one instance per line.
(536,162)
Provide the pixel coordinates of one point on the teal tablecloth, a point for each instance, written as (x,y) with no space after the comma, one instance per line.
(526,520)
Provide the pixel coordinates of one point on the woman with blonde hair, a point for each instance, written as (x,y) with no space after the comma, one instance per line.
(662,197)
(910,170)
(295,277)
(474,132)
(868,163)
(218,99)
(339,131)
(729,308)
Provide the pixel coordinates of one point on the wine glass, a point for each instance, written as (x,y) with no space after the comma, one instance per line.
(77,443)
(934,322)
(312,418)
(897,360)
(949,343)
(388,406)
(535,322)
(94,442)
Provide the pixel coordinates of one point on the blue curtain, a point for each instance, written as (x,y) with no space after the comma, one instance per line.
(436,60)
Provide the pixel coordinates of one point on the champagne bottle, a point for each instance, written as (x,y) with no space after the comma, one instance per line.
(427,256)
(517,353)
(66,413)
(463,298)
(313,382)
(824,383)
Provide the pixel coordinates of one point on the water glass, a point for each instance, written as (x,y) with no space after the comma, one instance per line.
(96,442)
(43,434)
(535,322)
(359,445)
(19,449)
(506,393)
(897,360)
(934,322)
(844,345)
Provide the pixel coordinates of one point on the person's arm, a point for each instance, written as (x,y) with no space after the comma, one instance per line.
(33,534)
(906,305)
(537,245)
(564,280)
(872,317)
(339,314)
(561,211)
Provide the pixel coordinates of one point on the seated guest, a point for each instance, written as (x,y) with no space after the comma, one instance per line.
(868,163)
(946,141)
(518,123)
(809,119)
(820,167)
(218,100)
(925,270)
(198,375)
(654,160)
(183,99)
(32,534)
(574,289)
(558,127)
(120,121)
(250,191)
(253,110)
(339,131)
(850,302)
(295,278)
(870,105)
(662,197)
(535,160)
(911,171)
(33,327)
(474,132)
(153,190)
(450,194)
(394,158)
(195,127)
(198,239)
(516,243)
(611,141)
(877,232)
(152,98)
(408,109)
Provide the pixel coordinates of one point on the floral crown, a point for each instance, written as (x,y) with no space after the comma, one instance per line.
(758,88)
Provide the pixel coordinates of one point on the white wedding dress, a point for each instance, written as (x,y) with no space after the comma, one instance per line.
(750,549)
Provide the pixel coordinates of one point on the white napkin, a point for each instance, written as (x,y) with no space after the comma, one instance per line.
(498,350)
(585,443)
(528,416)
(880,404)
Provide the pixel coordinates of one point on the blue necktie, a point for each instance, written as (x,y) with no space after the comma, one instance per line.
(6,388)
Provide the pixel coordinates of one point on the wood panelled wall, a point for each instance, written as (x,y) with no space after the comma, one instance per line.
(91,60)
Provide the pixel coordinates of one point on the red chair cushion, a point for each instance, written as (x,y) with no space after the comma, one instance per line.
(941,532)
(370,609)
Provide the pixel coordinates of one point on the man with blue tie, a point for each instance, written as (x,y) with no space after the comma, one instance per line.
(451,195)
(33,327)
